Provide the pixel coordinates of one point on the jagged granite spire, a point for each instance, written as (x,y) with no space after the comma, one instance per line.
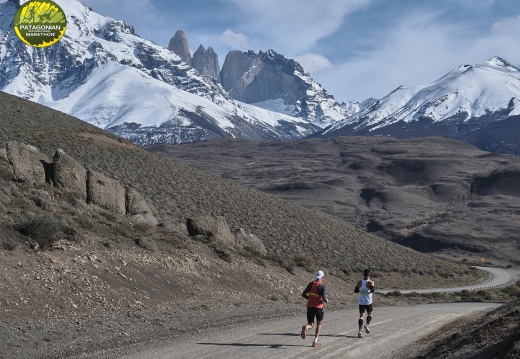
(270,80)
(179,45)
(206,62)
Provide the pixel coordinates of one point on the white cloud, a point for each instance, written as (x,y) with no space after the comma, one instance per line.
(293,25)
(419,51)
(235,40)
(313,62)
(141,14)
(128,8)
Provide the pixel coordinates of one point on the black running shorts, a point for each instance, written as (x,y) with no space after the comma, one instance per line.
(368,308)
(313,312)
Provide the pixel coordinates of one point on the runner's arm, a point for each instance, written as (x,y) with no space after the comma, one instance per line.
(356,288)
(322,290)
(371,286)
(307,290)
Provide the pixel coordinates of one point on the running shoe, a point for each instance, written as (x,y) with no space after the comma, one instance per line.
(359,334)
(304,332)
(367,329)
(316,344)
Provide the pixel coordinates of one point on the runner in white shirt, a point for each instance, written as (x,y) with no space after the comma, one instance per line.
(365,288)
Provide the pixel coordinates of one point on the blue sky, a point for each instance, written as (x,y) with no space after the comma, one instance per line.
(355,48)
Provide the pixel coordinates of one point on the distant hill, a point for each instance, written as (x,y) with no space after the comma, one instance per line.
(435,195)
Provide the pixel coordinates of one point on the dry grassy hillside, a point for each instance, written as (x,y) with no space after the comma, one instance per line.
(290,233)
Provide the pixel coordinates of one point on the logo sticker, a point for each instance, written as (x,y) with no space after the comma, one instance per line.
(40,23)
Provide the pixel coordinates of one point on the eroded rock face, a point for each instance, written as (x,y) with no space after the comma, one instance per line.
(27,163)
(179,45)
(206,62)
(69,174)
(211,229)
(138,208)
(105,192)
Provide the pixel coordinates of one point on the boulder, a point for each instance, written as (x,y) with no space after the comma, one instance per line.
(69,174)
(139,209)
(212,229)
(105,192)
(28,164)
(249,241)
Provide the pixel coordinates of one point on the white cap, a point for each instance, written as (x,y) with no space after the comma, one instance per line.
(319,274)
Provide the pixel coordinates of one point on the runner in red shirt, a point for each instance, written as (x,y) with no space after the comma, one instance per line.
(316,295)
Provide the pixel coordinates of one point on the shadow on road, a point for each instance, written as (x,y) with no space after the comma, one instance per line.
(272,346)
(310,335)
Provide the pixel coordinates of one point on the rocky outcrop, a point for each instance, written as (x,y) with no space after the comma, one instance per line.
(69,174)
(179,45)
(206,62)
(210,229)
(27,163)
(249,241)
(216,230)
(139,209)
(105,192)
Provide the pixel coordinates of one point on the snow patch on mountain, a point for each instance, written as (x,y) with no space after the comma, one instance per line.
(277,105)
(105,74)
(469,91)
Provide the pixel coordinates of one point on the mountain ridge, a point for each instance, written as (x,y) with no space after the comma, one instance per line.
(168,101)
(479,104)
(55,75)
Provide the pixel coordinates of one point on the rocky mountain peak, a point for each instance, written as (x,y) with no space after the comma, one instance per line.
(113,29)
(206,62)
(274,82)
(179,45)
(499,62)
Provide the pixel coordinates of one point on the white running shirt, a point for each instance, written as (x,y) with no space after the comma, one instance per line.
(365,295)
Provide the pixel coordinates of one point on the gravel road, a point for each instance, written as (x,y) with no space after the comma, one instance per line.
(392,329)
(498,277)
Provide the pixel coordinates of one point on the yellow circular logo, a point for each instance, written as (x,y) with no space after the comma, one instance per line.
(40,23)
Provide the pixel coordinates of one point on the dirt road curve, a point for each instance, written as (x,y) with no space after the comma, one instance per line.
(392,328)
(498,277)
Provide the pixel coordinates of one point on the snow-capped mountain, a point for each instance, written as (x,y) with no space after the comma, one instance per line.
(479,104)
(272,81)
(105,74)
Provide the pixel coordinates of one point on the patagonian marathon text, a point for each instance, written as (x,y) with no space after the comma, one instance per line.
(40,27)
